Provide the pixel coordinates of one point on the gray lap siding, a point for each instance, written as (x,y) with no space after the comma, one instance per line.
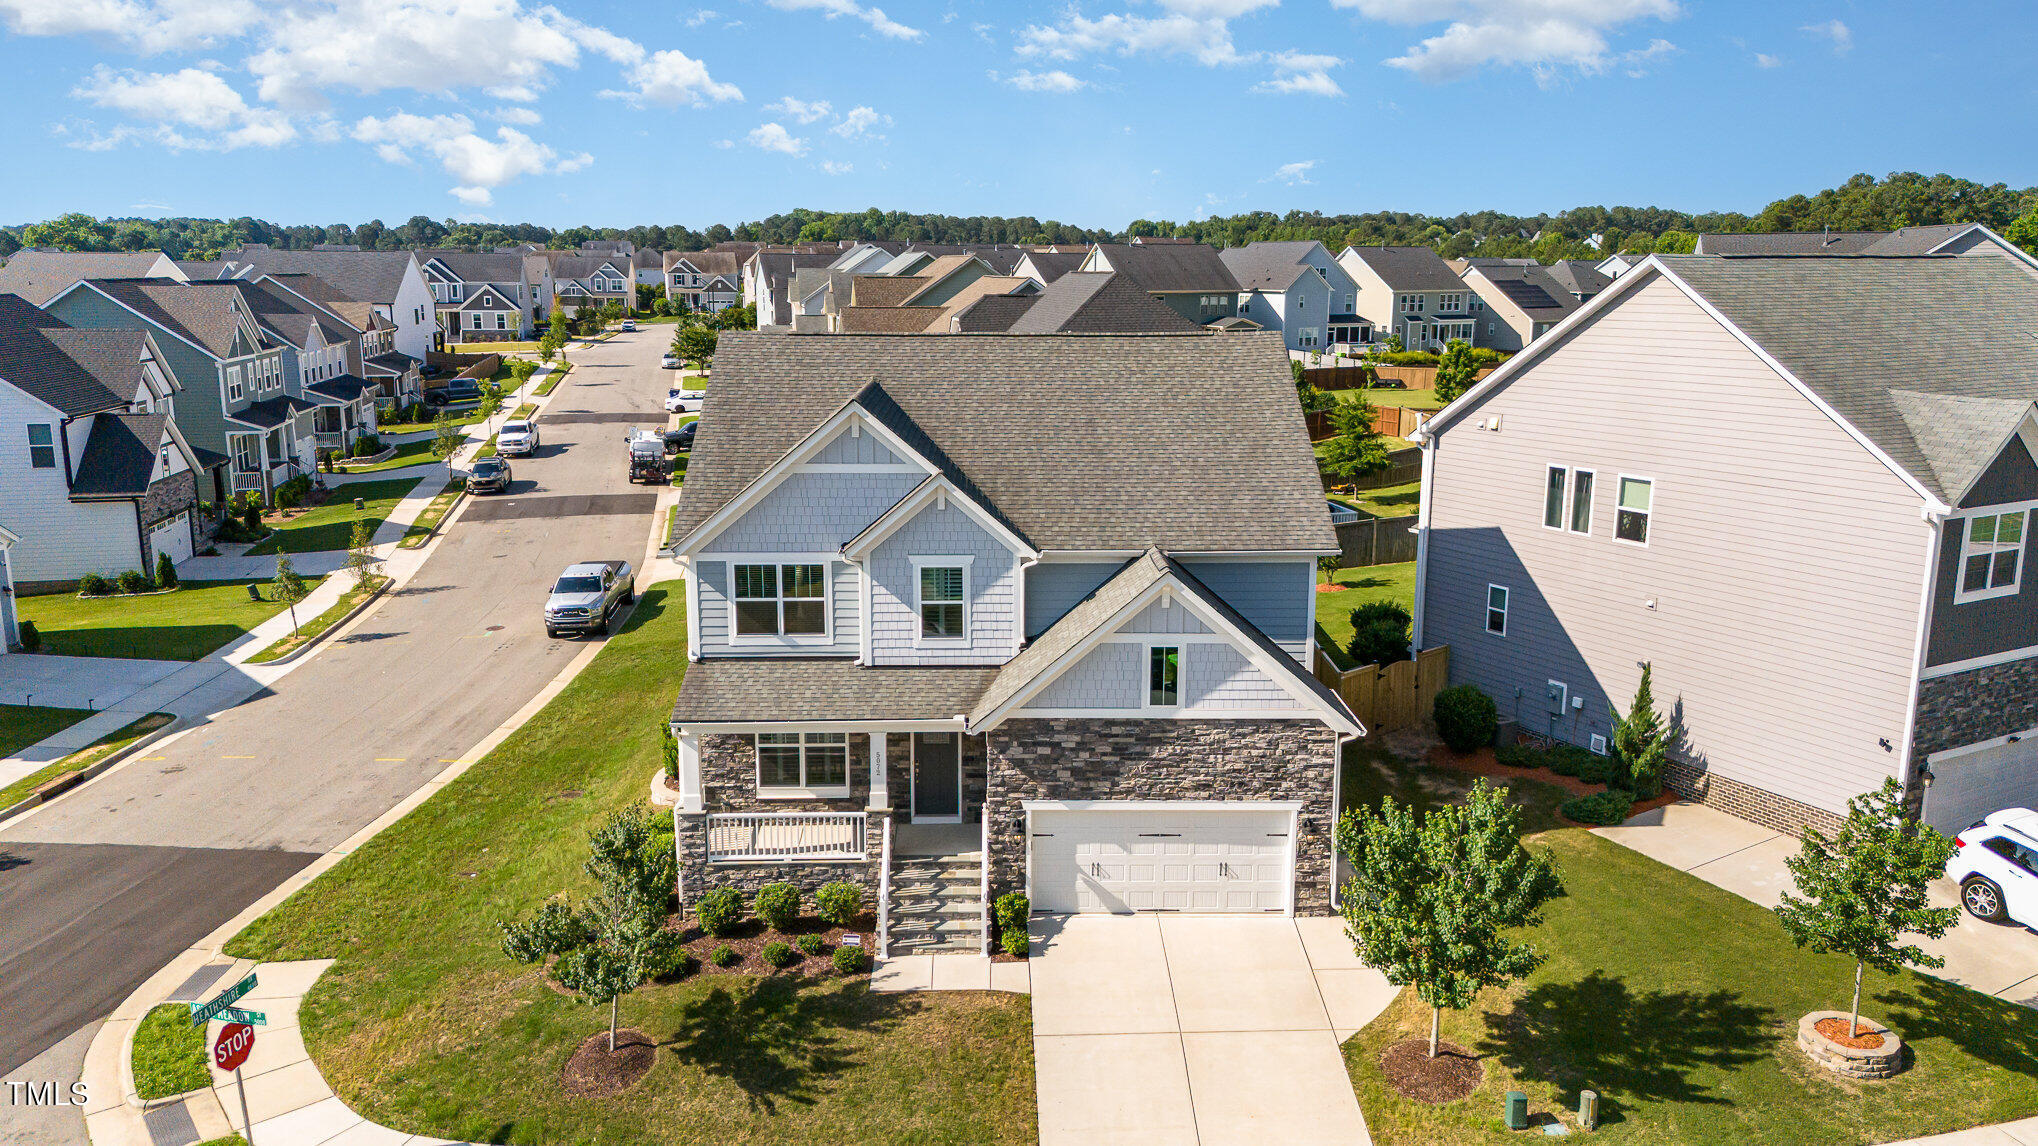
(1218,760)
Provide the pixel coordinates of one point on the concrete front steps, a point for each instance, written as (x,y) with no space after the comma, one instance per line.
(937,904)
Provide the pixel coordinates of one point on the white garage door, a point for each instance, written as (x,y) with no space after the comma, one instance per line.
(1157,858)
(172,537)
(1969,785)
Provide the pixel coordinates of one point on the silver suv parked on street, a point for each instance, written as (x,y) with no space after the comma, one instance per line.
(587,596)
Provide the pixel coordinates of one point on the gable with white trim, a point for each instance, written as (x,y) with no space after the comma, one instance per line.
(1216,676)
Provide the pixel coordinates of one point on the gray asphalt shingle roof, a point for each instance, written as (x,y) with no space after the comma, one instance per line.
(1580,277)
(75,371)
(208,314)
(119,456)
(363,276)
(1171,266)
(1267,265)
(720,689)
(1054,264)
(1407,268)
(1077,440)
(40,276)
(1098,302)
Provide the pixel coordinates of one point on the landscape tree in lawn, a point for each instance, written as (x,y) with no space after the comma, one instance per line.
(1455,370)
(1863,889)
(447,439)
(287,587)
(616,940)
(1356,450)
(696,343)
(360,556)
(1431,903)
(1639,741)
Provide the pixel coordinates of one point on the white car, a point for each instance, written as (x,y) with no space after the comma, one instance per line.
(1995,862)
(669,362)
(678,401)
(517,439)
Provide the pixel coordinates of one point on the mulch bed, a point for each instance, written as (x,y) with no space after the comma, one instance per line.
(1453,1074)
(594,1072)
(751,936)
(1480,762)
(1835,1031)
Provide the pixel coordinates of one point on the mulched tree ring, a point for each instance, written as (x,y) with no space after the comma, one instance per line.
(1864,1038)
(1453,1074)
(595,1072)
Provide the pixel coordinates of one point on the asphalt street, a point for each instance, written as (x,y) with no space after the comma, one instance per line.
(102,888)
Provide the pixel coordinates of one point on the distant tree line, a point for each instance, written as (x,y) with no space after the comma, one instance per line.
(1863,203)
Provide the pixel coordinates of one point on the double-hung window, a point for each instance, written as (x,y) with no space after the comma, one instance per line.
(1637,503)
(803,763)
(1411,303)
(42,446)
(1164,676)
(781,600)
(1496,610)
(1572,512)
(1450,302)
(1991,555)
(233,384)
(943,602)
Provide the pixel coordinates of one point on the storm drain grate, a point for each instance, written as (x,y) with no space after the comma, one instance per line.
(200,982)
(170,1125)
(579,505)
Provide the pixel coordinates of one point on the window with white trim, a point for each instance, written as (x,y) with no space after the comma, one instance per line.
(233,384)
(1411,303)
(1496,610)
(1553,498)
(1991,555)
(803,763)
(1450,301)
(781,600)
(943,607)
(1164,676)
(1637,502)
(42,446)
(1581,501)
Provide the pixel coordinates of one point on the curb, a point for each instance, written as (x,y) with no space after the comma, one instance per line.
(425,538)
(331,629)
(177,724)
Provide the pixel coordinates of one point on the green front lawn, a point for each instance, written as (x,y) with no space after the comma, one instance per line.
(1678,1003)
(407,454)
(331,526)
(21,725)
(186,625)
(459,419)
(1362,586)
(169,1053)
(1387,501)
(1419,399)
(424,1025)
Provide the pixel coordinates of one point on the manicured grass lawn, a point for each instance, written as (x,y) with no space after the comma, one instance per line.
(183,626)
(169,1053)
(311,628)
(21,725)
(552,380)
(1678,1003)
(467,418)
(435,511)
(84,758)
(1378,396)
(1387,501)
(424,1025)
(407,454)
(1372,583)
(331,526)
(498,348)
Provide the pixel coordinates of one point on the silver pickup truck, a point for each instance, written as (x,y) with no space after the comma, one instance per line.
(587,596)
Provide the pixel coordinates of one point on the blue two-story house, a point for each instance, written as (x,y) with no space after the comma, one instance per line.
(1054,590)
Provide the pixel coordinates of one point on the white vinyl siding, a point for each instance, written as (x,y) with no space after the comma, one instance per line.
(1778,600)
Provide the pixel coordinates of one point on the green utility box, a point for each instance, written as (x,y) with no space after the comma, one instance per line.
(1517,1110)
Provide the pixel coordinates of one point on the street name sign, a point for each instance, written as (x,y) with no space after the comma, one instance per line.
(202,1013)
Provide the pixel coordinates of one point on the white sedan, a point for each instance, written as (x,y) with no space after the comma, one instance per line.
(1995,862)
(678,401)
(670,362)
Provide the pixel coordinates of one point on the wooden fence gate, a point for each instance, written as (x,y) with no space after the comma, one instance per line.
(1395,697)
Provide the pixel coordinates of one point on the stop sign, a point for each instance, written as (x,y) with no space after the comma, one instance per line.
(231,1049)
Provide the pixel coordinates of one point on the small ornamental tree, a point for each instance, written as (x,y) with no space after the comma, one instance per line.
(1455,370)
(1356,450)
(166,572)
(696,343)
(1639,742)
(447,438)
(615,941)
(1432,903)
(360,552)
(1863,889)
(287,587)
(1328,565)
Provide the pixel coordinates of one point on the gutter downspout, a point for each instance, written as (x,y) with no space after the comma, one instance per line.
(1428,442)
(1909,768)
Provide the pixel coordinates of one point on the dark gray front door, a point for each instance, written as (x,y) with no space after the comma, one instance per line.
(937,778)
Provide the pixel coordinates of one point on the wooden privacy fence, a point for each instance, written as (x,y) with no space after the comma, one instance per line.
(1375,541)
(1388,421)
(1391,698)
(1355,377)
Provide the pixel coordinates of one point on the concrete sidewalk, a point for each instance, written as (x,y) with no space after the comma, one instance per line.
(1747,859)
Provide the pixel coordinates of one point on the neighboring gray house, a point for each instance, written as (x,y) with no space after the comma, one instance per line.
(40,275)
(1937,239)
(322,355)
(391,282)
(902,608)
(1513,303)
(1411,292)
(590,280)
(1189,278)
(703,280)
(1091,302)
(1838,598)
(483,296)
(1297,289)
(1580,277)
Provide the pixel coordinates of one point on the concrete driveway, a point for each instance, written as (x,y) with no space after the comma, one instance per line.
(1747,859)
(1200,1029)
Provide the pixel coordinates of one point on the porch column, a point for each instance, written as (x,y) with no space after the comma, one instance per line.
(880,788)
(690,801)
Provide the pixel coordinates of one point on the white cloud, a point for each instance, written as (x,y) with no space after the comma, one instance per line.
(670,78)
(1299,73)
(184,101)
(1543,35)
(880,23)
(146,26)
(723,144)
(1200,29)
(1838,34)
(774,137)
(477,163)
(861,122)
(521,116)
(834,168)
(802,110)
(1293,174)
(1058,82)
(701,17)
(1765,60)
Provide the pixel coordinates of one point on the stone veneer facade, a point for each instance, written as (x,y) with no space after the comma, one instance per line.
(1104,759)
(899,776)
(167,498)
(729,784)
(1969,707)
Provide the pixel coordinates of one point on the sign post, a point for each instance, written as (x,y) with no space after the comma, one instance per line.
(229,1051)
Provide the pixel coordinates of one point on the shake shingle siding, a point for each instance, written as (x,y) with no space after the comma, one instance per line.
(1785,569)
(1054,587)
(1108,677)
(1218,678)
(990,581)
(813,513)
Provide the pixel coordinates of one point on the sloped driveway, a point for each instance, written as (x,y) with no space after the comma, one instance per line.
(1208,1030)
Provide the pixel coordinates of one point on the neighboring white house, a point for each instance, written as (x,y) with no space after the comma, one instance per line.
(1298,289)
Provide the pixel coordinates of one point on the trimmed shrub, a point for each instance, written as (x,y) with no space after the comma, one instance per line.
(1596,769)
(682,966)
(1379,633)
(811,945)
(848,960)
(132,581)
(1518,756)
(367,445)
(839,902)
(31,639)
(723,956)
(1012,911)
(777,954)
(719,911)
(251,514)
(1015,943)
(94,585)
(166,572)
(1600,808)
(1466,718)
(778,904)
(1565,760)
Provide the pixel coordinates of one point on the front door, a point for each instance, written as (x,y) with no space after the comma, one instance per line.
(937,778)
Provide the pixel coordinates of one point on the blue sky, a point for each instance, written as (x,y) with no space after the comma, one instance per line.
(1094,113)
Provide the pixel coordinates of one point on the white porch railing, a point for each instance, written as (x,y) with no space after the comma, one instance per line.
(742,837)
(884,895)
(984,886)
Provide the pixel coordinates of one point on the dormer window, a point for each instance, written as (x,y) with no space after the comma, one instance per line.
(1991,556)
(942,604)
